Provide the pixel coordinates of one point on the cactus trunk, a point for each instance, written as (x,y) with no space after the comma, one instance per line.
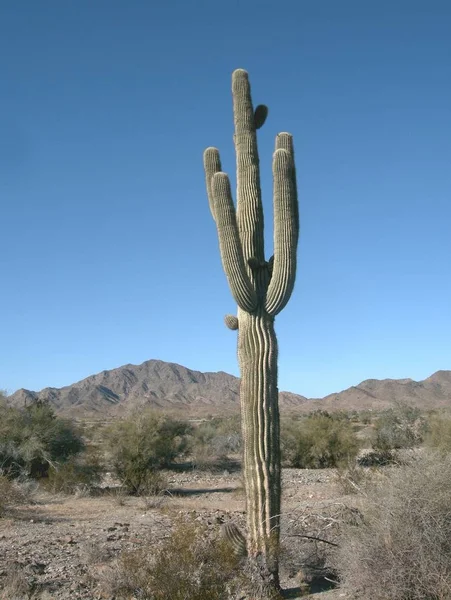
(257,354)
(261,289)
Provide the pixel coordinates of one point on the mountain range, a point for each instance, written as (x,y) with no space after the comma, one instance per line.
(175,388)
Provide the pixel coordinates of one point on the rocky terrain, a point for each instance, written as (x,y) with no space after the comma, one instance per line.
(61,547)
(173,387)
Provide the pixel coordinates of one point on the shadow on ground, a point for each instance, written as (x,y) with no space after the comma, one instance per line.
(184,492)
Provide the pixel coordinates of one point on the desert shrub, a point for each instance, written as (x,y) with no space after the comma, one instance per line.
(215,440)
(34,438)
(79,474)
(141,444)
(154,483)
(189,564)
(396,428)
(438,433)
(401,549)
(11,493)
(351,477)
(336,415)
(318,441)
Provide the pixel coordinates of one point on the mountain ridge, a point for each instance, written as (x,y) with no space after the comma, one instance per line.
(173,387)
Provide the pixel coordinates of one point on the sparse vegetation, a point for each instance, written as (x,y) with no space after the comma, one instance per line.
(318,441)
(401,548)
(190,564)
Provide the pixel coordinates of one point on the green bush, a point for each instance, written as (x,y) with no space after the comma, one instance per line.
(141,444)
(318,441)
(189,564)
(400,548)
(34,438)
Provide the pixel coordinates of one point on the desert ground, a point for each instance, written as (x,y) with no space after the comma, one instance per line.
(65,546)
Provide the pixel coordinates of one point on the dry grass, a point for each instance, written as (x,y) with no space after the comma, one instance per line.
(352,477)
(12,493)
(438,435)
(15,585)
(402,548)
(154,502)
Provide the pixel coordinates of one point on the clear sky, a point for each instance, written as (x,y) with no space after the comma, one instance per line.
(108,251)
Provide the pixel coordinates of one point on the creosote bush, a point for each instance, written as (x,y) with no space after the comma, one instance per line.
(140,445)
(188,564)
(318,441)
(401,549)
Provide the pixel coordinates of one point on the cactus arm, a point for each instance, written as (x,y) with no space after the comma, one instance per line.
(286,232)
(284,141)
(249,204)
(229,243)
(212,165)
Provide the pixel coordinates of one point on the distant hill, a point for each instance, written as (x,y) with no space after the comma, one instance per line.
(377,394)
(154,383)
(173,387)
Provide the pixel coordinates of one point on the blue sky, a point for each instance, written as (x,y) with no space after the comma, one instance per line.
(108,251)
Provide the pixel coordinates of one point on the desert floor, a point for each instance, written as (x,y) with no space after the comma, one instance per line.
(65,546)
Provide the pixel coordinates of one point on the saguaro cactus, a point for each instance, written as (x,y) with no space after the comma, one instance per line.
(261,289)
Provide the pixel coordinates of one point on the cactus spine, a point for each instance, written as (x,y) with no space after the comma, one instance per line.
(261,289)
